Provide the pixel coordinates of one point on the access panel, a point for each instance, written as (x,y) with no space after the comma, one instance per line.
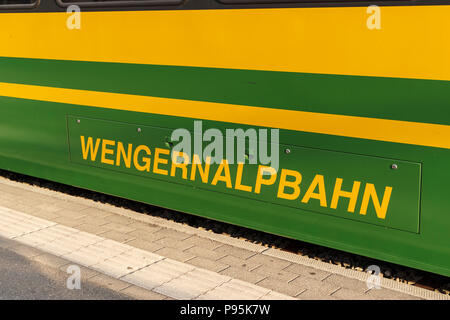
(375,190)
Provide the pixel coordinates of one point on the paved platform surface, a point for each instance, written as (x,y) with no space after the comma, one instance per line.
(168,259)
(27,274)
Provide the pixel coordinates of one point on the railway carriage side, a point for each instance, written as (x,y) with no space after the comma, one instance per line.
(349,122)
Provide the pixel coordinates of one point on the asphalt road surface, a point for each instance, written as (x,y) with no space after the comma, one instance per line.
(23,279)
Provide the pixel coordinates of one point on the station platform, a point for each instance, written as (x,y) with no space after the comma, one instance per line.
(148,257)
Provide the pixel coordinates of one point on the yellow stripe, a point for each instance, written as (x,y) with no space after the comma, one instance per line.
(416,133)
(412,43)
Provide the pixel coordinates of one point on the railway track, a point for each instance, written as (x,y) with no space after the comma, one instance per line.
(347,260)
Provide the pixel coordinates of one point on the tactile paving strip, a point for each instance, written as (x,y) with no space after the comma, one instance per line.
(145,269)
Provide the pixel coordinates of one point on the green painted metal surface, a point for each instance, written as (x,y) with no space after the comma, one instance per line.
(403,205)
(34,140)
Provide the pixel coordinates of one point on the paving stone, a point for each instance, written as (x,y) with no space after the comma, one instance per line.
(207,264)
(145,245)
(149,228)
(281,275)
(386,294)
(9,214)
(310,283)
(345,282)
(173,243)
(45,215)
(9,189)
(119,219)
(93,220)
(205,253)
(19,206)
(307,271)
(158,273)
(235,252)
(97,252)
(73,206)
(7,233)
(109,245)
(35,239)
(235,290)
(50,260)
(348,294)
(10,203)
(237,262)
(242,274)
(85,273)
(268,261)
(59,248)
(36,212)
(175,254)
(118,236)
(15,228)
(52,199)
(22,206)
(74,214)
(144,235)
(70,222)
(203,242)
(11,218)
(280,286)
(49,207)
(108,282)
(87,256)
(26,251)
(35,195)
(172,234)
(118,227)
(31,201)
(126,262)
(5,195)
(276,296)
(94,212)
(92,228)
(191,284)
(313,294)
(142,294)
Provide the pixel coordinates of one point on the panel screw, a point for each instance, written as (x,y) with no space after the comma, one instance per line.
(139,129)
(394,166)
(78,120)
(287,151)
